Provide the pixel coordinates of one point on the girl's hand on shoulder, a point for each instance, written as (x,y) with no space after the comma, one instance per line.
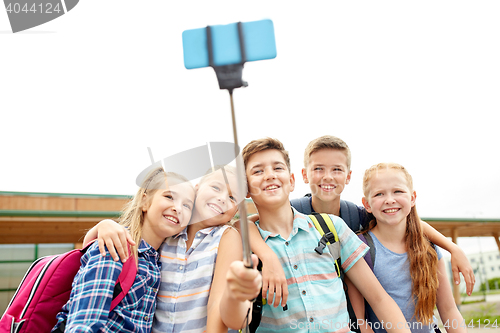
(251,218)
(115,238)
(274,281)
(460,264)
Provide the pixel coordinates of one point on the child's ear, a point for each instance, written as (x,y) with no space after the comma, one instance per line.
(248,190)
(348,179)
(292,182)
(366,204)
(413,198)
(304,176)
(143,203)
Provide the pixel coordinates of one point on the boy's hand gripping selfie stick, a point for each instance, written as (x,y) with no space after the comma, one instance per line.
(226,48)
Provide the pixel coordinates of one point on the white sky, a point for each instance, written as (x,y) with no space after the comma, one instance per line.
(83,96)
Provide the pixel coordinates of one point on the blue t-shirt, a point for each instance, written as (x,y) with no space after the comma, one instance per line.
(393,272)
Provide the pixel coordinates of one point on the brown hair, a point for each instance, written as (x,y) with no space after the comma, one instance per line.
(327,142)
(259,145)
(421,256)
(132,216)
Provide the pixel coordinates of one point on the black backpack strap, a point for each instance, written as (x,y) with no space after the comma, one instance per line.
(303,205)
(61,327)
(353,325)
(329,236)
(257,307)
(436,328)
(350,214)
(258,303)
(367,239)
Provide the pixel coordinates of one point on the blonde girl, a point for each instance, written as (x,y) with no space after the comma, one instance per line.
(195,261)
(407,265)
(161,208)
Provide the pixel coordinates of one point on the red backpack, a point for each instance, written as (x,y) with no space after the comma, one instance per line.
(46,287)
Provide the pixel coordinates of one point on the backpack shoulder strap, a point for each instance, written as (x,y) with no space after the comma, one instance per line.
(326,228)
(349,213)
(303,205)
(122,287)
(367,239)
(125,281)
(329,237)
(258,303)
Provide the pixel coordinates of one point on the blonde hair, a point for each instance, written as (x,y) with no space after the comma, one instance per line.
(327,142)
(227,168)
(259,145)
(132,216)
(421,255)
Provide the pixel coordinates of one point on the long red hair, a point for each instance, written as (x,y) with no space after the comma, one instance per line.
(421,256)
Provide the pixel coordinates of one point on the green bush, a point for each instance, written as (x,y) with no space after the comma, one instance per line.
(483,313)
(491,284)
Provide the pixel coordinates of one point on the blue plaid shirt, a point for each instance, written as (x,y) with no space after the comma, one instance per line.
(92,292)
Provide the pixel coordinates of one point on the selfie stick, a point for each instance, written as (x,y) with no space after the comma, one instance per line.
(230,77)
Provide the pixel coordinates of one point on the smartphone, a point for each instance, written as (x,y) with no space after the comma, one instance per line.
(258,39)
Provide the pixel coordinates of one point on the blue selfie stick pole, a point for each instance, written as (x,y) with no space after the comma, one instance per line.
(226,48)
(230,77)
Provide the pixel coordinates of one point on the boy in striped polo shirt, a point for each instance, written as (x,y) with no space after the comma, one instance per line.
(316,300)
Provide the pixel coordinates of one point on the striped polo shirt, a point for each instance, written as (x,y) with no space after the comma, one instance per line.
(186,278)
(316,300)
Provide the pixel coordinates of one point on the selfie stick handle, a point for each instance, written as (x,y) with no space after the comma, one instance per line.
(230,77)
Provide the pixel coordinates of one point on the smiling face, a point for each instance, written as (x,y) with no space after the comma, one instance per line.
(169,211)
(216,201)
(388,196)
(269,179)
(327,173)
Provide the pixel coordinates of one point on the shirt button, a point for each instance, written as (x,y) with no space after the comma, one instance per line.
(155,290)
(295,266)
(286,243)
(180,267)
(146,318)
(198,235)
(311,319)
(304,292)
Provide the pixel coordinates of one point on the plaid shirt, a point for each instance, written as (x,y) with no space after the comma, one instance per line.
(92,292)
